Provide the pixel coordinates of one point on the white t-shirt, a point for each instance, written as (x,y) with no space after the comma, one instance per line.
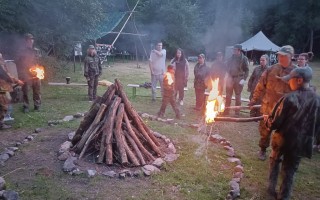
(158,63)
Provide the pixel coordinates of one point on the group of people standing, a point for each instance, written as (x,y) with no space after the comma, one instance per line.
(26,58)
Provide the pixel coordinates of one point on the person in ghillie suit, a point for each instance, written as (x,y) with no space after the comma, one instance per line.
(294,119)
(168,93)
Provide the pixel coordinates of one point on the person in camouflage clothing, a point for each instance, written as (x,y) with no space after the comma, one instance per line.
(92,71)
(6,81)
(26,59)
(238,71)
(169,93)
(253,81)
(294,120)
(270,89)
(201,72)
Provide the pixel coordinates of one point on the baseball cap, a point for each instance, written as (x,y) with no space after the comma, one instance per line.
(28,36)
(300,72)
(91,47)
(237,46)
(286,50)
(201,55)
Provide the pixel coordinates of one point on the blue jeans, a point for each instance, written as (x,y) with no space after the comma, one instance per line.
(154,81)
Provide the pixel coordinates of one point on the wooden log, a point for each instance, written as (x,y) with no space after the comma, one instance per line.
(146,128)
(92,127)
(107,129)
(106,98)
(135,147)
(95,132)
(130,110)
(130,154)
(141,148)
(119,137)
(85,123)
(234,119)
(242,107)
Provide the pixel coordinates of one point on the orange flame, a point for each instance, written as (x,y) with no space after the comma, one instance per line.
(37,71)
(169,78)
(215,103)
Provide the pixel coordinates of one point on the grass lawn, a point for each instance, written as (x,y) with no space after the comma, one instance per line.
(201,172)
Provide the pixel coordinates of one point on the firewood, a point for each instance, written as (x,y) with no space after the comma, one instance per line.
(235,119)
(130,110)
(106,146)
(130,154)
(85,123)
(118,136)
(140,148)
(89,131)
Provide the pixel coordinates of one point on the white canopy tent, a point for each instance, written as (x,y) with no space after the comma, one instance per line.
(259,42)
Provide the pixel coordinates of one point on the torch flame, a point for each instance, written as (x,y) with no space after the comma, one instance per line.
(215,103)
(37,71)
(169,78)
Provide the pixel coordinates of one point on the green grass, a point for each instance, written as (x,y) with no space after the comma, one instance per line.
(197,176)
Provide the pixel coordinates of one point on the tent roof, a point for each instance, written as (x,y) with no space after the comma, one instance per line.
(259,42)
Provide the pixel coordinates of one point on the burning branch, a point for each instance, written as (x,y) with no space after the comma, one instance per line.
(37,71)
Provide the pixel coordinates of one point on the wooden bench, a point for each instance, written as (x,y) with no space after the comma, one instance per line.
(135,86)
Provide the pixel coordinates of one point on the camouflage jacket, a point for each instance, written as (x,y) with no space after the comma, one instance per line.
(238,66)
(294,117)
(201,72)
(255,76)
(25,60)
(270,88)
(6,80)
(92,66)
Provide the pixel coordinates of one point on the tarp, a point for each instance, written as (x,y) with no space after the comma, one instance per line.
(259,42)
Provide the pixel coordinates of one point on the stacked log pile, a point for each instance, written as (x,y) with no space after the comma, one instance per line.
(114,131)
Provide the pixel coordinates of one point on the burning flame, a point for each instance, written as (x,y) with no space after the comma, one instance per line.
(215,103)
(169,78)
(37,71)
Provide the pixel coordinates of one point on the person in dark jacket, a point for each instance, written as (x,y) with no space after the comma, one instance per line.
(201,71)
(168,92)
(238,71)
(25,60)
(92,71)
(294,120)
(219,70)
(181,74)
(253,81)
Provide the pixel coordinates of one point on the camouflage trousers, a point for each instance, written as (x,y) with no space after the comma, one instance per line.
(4,103)
(265,134)
(92,87)
(168,98)
(232,85)
(290,163)
(35,84)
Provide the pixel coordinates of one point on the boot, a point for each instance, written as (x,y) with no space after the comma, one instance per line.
(4,126)
(262,155)
(25,109)
(37,108)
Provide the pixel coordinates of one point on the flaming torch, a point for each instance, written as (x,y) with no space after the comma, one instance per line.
(169,78)
(215,103)
(37,71)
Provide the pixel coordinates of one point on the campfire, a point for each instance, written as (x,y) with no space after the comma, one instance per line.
(114,132)
(37,71)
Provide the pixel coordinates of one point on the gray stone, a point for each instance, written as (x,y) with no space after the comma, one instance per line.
(9,152)
(64,156)
(231,153)
(238,175)
(29,137)
(67,118)
(150,169)
(235,189)
(110,174)
(4,157)
(10,195)
(13,148)
(156,134)
(171,148)
(158,162)
(1,193)
(238,168)
(2,183)
(54,122)
(34,135)
(76,172)
(37,130)
(69,165)
(65,146)
(25,141)
(18,144)
(71,135)
(171,157)
(236,180)
(228,148)
(144,115)
(216,138)
(138,173)
(167,140)
(78,115)
(91,172)
(122,175)
(235,160)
